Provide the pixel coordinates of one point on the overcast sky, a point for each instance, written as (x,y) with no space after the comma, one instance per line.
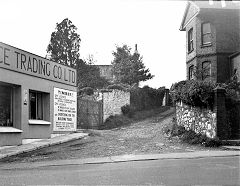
(102,24)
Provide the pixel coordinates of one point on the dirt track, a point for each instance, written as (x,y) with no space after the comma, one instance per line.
(138,138)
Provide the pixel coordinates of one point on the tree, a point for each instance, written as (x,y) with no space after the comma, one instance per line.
(64,44)
(88,75)
(129,68)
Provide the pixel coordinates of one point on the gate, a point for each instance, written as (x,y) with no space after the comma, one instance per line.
(90,114)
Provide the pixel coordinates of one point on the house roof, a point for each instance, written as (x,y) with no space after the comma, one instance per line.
(201,5)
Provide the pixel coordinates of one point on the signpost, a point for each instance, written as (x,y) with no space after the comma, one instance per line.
(65,110)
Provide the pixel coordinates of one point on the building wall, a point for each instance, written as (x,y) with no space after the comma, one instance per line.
(23,72)
(228,31)
(225,41)
(190,63)
(113,101)
(191,12)
(214,64)
(192,24)
(200,49)
(26,83)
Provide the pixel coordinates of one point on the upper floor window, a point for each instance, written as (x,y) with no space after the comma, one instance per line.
(206,69)
(206,34)
(190,72)
(190,40)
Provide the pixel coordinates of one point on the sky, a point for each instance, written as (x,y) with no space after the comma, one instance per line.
(102,24)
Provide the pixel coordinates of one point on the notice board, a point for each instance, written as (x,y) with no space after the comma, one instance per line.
(65,110)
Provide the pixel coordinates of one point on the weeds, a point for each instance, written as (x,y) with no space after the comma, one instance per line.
(189,136)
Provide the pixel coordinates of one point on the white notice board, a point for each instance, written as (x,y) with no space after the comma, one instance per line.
(65,110)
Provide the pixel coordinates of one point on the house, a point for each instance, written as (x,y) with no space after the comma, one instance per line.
(212,39)
(106,72)
(38,97)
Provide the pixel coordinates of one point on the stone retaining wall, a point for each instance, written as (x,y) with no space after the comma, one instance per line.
(113,101)
(202,121)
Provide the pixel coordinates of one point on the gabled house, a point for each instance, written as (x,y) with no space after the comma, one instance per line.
(212,37)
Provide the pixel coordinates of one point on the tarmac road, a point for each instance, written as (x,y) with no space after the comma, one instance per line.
(196,171)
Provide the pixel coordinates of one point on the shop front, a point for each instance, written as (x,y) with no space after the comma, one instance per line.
(37,97)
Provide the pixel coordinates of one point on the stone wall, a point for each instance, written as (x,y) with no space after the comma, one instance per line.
(202,121)
(113,101)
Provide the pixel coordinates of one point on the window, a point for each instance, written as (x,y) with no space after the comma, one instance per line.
(190,72)
(190,40)
(206,34)
(6,101)
(35,105)
(206,69)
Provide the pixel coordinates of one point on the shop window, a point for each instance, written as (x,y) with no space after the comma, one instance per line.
(36,105)
(6,101)
(190,40)
(206,34)
(206,69)
(190,72)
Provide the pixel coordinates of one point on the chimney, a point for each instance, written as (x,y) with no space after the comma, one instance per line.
(136,50)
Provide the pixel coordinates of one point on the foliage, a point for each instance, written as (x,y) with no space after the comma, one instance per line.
(116,86)
(64,44)
(129,68)
(127,110)
(189,136)
(89,76)
(115,122)
(146,98)
(194,93)
(86,90)
(232,107)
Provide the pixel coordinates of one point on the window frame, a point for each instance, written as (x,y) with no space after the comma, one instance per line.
(190,41)
(191,72)
(205,76)
(39,96)
(9,121)
(208,33)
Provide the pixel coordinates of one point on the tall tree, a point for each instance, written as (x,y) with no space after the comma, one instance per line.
(64,44)
(129,68)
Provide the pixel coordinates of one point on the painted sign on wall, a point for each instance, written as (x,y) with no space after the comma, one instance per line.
(65,110)
(24,62)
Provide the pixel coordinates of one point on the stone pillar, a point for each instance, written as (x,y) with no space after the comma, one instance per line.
(220,110)
(166,98)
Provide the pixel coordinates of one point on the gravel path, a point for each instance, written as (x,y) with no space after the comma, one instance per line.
(138,138)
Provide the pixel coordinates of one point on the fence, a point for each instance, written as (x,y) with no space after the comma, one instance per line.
(90,113)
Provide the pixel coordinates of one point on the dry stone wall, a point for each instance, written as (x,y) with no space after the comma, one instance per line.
(202,121)
(113,101)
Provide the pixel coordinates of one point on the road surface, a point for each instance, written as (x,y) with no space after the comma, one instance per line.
(198,171)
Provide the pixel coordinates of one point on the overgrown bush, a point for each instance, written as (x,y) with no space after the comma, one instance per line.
(127,110)
(194,93)
(232,107)
(117,86)
(115,122)
(189,136)
(146,98)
